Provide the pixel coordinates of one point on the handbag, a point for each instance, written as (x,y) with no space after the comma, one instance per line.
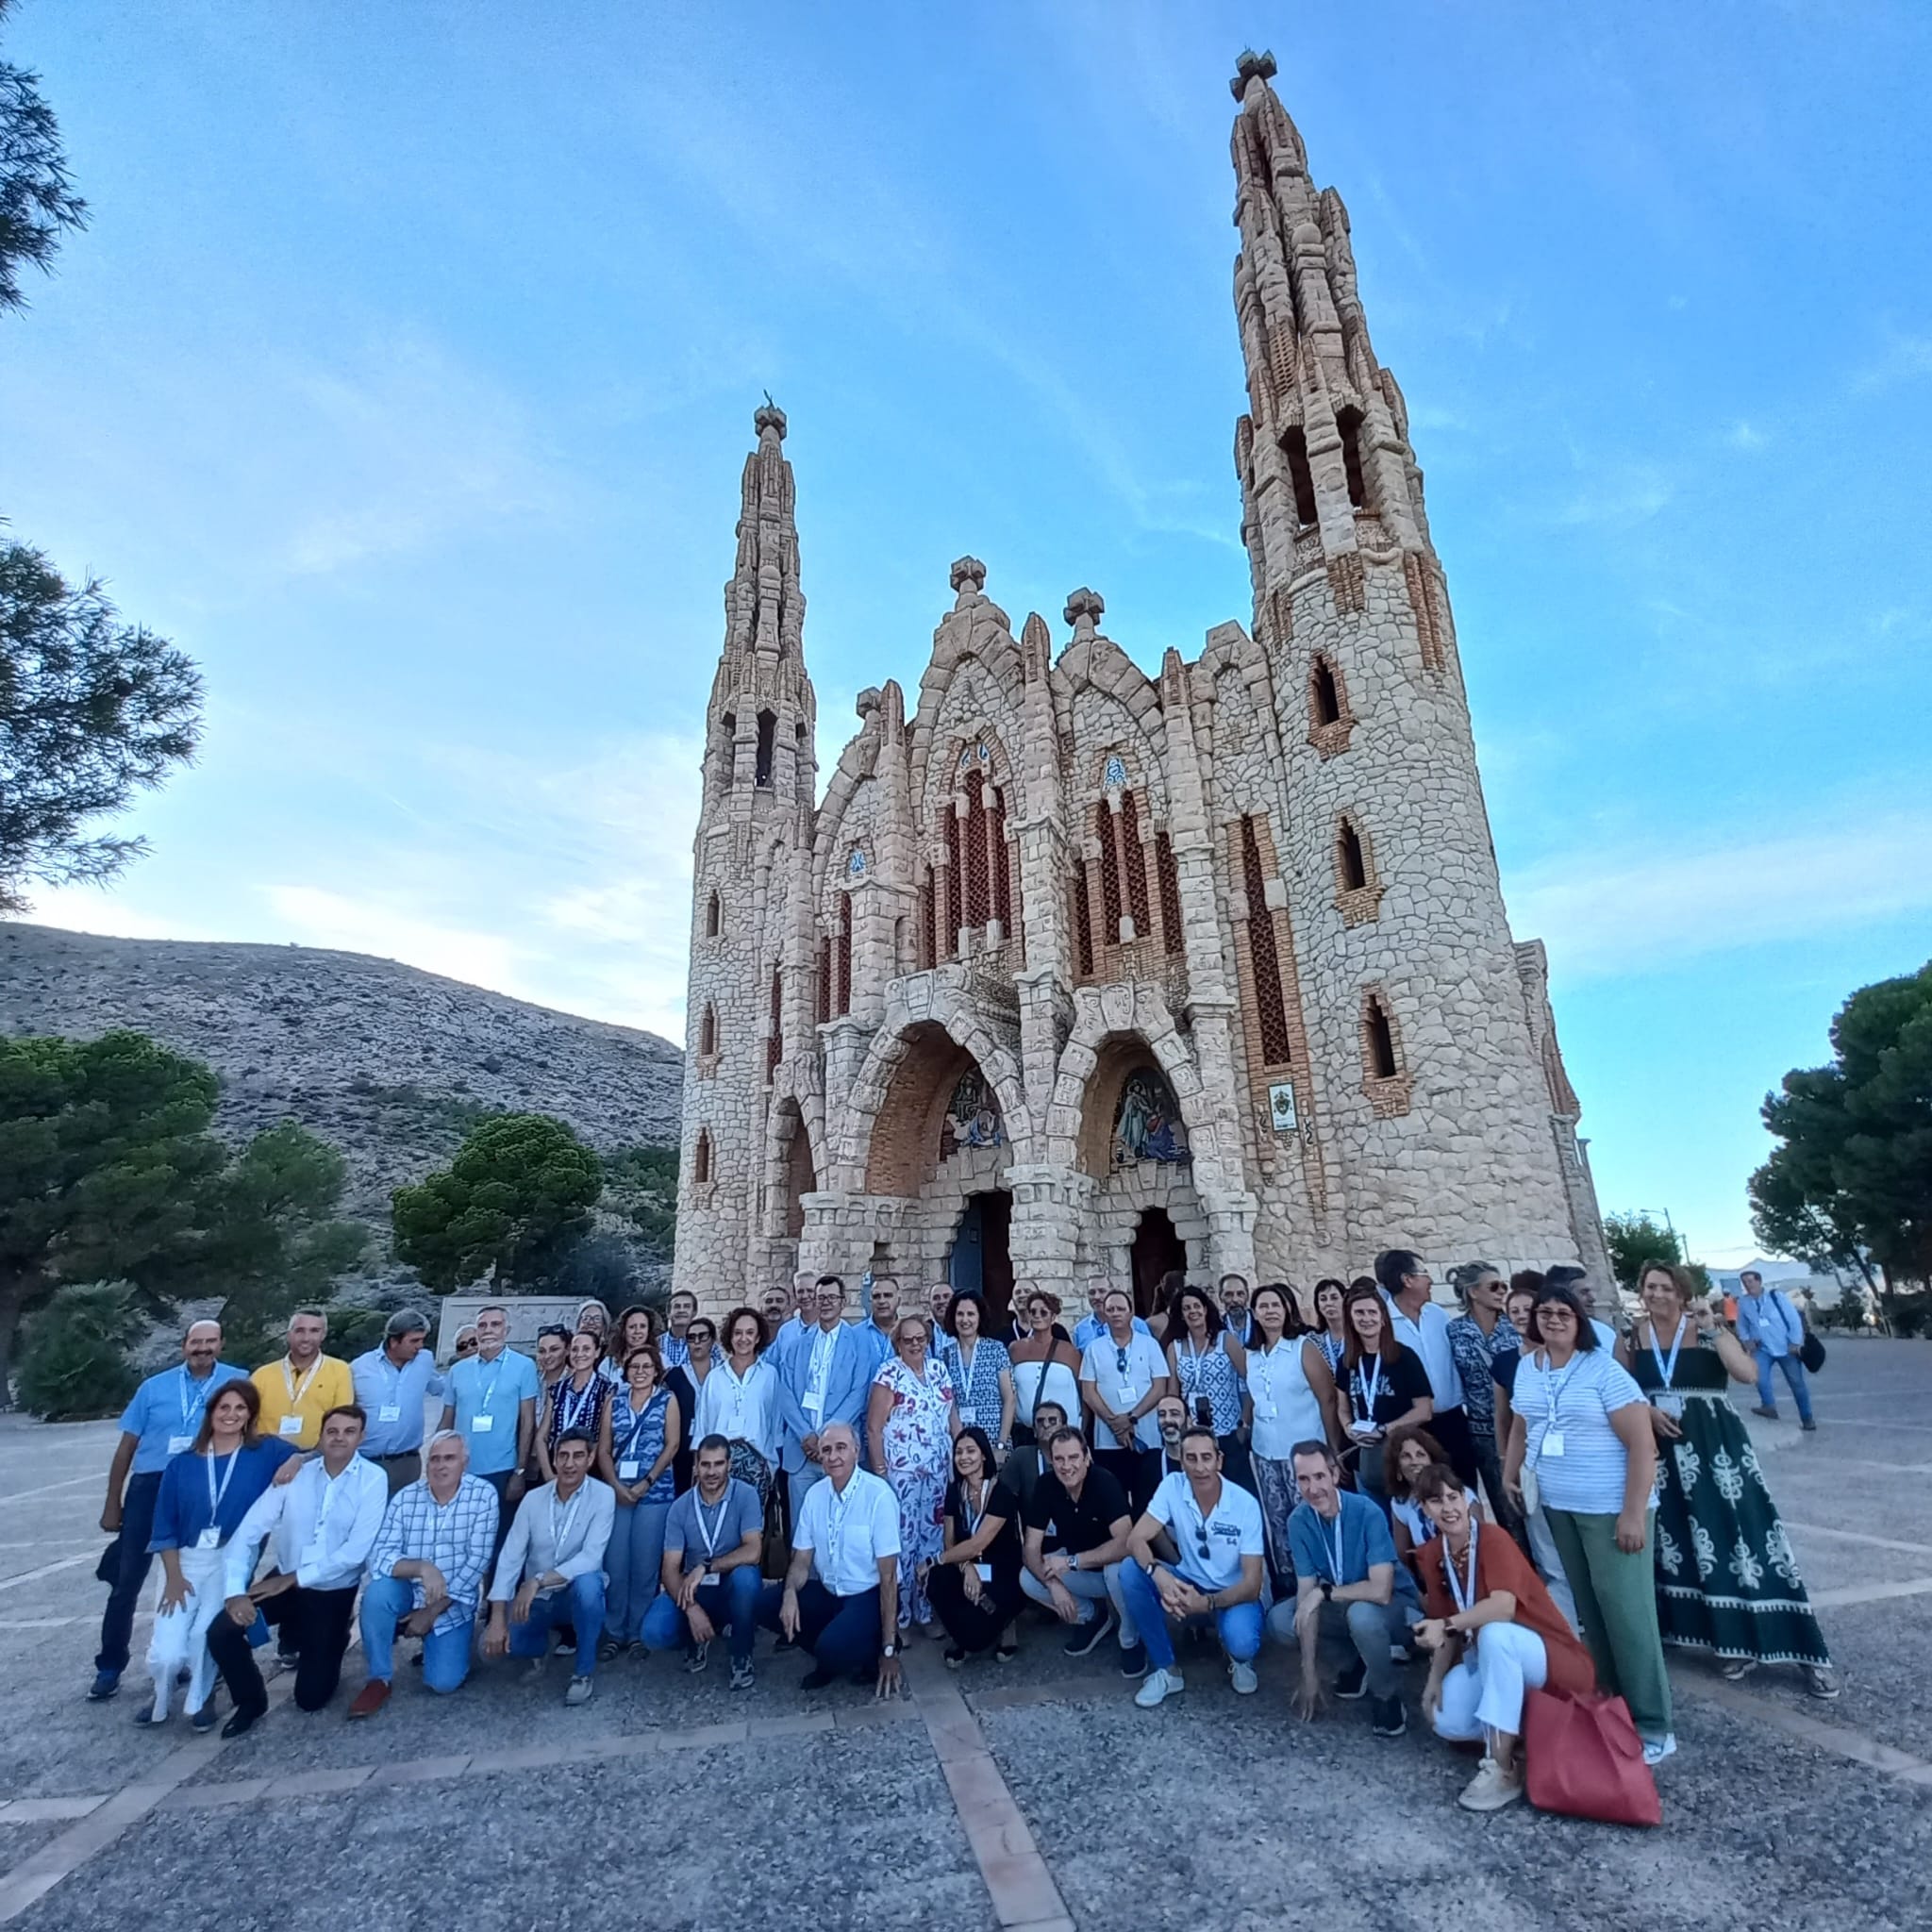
(1583,1758)
(1813,1354)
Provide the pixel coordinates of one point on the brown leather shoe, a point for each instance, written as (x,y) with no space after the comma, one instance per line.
(370,1699)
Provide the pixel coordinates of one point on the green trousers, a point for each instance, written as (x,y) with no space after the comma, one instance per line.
(1616,1600)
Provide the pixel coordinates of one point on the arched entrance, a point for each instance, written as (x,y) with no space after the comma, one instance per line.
(981,1258)
(1155,1250)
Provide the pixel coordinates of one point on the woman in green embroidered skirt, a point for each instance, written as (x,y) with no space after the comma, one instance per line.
(1726,1579)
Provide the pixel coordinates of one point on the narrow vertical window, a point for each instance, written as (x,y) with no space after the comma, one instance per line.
(928,921)
(951,933)
(1263,957)
(978,899)
(1350,865)
(1000,857)
(825,978)
(774,1046)
(1171,938)
(1378,1038)
(714,917)
(1325,698)
(1136,855)
(1109,877)
(768,732)
(1083,923)
(700,1157)
(843,992)
(1349,421)
(708,1030)
(1295,443)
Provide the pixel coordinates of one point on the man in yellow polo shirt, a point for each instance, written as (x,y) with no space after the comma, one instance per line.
(300,1388)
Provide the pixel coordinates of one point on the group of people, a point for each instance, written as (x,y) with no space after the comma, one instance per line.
(1517,1492)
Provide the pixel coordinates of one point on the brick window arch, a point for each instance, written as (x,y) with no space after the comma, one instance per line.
(1351,862)
(701,1159)
(1324,693)
(708,1030)
(1385,1080)
(1294,443)
(714,917)
(1357,885)
(1349,421)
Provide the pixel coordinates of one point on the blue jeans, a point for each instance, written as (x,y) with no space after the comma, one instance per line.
(1238,1626)
(445,1653)
(127,1566)
(666,1627)
(580,1605)
(631,1561)
(1795,1374)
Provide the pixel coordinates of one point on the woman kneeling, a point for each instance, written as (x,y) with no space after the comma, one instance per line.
(1492,1634)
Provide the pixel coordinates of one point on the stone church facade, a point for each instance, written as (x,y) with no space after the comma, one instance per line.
(1075,969)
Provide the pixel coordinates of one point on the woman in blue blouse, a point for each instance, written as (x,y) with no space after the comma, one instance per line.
(203,1495)
(981,1369)
(637,1437)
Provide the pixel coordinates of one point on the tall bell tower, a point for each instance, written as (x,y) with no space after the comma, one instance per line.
(1443,1127)
(750,883)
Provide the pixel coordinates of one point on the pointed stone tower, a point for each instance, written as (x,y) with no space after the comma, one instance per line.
(1436,1110)
(751,874)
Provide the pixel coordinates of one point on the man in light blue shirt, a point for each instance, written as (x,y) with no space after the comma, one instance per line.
(493,1406)
(825,1375)
(158,1422)
(1773,1331)
(392,1383)
(1093,1325)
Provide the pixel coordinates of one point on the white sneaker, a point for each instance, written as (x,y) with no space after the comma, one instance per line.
(1489,1789)
(580,1691)
(1243,1676)
(1656,1749)
(1160,1685)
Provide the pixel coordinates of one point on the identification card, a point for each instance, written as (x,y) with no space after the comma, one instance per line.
(209,1540)
(1552,1442)
(628,1469)
(291,1425)
(813,1404)
(482,1424)
(390,1412)
(968,1415)
(983,1572)
(180,1445)
(1364,1430)
(1671,1405)
(1266,1411)
(710,1578)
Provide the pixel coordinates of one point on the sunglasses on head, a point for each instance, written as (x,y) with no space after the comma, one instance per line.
(555,1329)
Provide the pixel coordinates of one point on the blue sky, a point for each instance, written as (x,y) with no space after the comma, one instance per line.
(407,371)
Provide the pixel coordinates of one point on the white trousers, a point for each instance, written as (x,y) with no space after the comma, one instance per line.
(1509,1661)
(180,1637)
(1549,1566)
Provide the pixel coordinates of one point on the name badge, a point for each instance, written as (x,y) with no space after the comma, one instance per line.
(628,1469)
(984,1571)
(813,1404)
(1364,1430)
(1266,1411)
(291,1425)
(1123,1397)
(482,1424)
(1552,1442)
(209,1540)
(180,1445)
(1671,1405)
(390,1412)
(968,1415)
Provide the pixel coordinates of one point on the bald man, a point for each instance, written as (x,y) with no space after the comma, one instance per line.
(158,1422)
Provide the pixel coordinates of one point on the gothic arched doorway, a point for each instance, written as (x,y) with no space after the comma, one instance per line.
(1157,1249)
(981,1260)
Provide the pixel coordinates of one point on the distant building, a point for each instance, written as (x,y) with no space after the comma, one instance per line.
(1075,968)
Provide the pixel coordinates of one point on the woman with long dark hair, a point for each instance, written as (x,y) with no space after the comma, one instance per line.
(974,1580)
(1293,1398)
(1206,1365)
(1384,1387)
(1331,1334)
(578,1401)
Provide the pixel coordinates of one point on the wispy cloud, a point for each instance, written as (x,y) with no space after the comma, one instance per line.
(1634,907)
(1617,496)
(1747,437)
(1905,358)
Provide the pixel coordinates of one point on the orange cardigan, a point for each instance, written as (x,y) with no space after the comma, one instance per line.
(1500,1565)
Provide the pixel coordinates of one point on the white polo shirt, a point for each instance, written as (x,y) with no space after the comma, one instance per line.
(848,1532)
(1231,1530)
(1120,1389)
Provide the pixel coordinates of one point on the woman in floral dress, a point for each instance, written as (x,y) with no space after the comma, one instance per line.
(910,1426)
(1727,1580)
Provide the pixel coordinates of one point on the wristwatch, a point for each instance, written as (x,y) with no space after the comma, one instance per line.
(889,1650)
(1327,1590)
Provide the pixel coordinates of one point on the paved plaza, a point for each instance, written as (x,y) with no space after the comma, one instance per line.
(1032,1794)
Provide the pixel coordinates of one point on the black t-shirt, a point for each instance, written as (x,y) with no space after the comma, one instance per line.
(1002,1552)
(1502,1365)
(1404,1382)
(1076,1526)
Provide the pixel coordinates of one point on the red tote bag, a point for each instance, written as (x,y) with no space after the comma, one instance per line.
(1582,1757)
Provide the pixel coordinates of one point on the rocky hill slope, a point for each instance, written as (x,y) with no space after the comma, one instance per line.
(389,1063)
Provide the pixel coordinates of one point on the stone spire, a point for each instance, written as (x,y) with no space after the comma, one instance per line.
(764,608)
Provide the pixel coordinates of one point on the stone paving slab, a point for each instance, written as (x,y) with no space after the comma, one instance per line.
(810,1831)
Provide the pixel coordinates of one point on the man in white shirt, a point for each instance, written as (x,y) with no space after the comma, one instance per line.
(1422,1326)
(1122,1377)
(552,1567)
(322,1525)
(839,1598)
(1213,1529)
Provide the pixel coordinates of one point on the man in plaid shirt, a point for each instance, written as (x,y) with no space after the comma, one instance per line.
(426,1573)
